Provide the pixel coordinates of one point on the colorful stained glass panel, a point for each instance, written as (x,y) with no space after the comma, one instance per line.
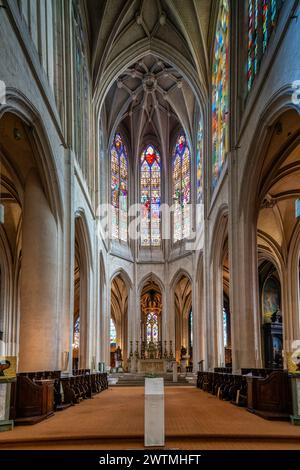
(200,143)
(181,189)
(119,189)
(220,93)
(150,197)
(113,333)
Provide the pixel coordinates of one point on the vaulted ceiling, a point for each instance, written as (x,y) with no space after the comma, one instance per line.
(277,224)
(183,296)
(149,65)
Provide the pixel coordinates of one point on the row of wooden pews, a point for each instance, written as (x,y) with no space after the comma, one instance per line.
(227,387)
(265,392)
(37,395)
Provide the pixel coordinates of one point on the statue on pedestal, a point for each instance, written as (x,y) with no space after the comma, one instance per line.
(183,352)
(184,357)
(118,359)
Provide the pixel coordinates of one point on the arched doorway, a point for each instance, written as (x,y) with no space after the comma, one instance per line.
(82,265)
(226,308)
(29,239)
(272,331)
(183,320)
(220,320)
(76,317)
(151,321)
(277,228)
(118,322)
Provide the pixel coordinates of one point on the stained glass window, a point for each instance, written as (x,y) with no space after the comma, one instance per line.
(150,197)
(152,329)
(225,328)
(182,189)
(119,189)
(200,163)
(113,333)
(262,19)
(81,93)
(76,334)
(265,23)
(252,41)
(191,328)
(220,92)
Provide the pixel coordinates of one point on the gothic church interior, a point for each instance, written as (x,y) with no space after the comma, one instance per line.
(150,205)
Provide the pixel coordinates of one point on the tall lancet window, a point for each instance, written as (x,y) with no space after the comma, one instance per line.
(150,197)
(220,93)
(200,145)
(252,65)
(262,19)
(181,189)
(119,189)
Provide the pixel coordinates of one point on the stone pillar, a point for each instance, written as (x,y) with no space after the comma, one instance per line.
(244,293)
(197,331)
(39,278)
(106,327)
(167,326)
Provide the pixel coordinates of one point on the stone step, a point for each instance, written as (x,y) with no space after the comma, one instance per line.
(141,384)
(138,380)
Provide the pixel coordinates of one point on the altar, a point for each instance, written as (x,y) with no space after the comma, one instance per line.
(152,366)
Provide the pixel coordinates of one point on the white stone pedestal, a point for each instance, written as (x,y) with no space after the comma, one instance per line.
(175,372)
(154,412)
(5,423)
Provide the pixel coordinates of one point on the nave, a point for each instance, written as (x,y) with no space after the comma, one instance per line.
(115,420)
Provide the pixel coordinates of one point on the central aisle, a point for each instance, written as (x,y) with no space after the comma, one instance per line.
(115,419)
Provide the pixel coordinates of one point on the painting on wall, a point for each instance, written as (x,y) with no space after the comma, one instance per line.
(8,367)
(271,299)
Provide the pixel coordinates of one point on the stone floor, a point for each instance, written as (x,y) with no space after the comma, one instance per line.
(114,419)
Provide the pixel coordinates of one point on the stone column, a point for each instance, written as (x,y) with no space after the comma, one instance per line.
(106,326)
(244,290)
(197,316)
(39,277)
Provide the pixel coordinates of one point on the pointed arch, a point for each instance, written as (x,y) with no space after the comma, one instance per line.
(17,104)
(180,273)
(151,276)
(124,276)
(84,238)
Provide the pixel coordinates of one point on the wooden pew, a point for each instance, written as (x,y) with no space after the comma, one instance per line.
(270,397)
(36,395)
(34,400)
(267,394)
